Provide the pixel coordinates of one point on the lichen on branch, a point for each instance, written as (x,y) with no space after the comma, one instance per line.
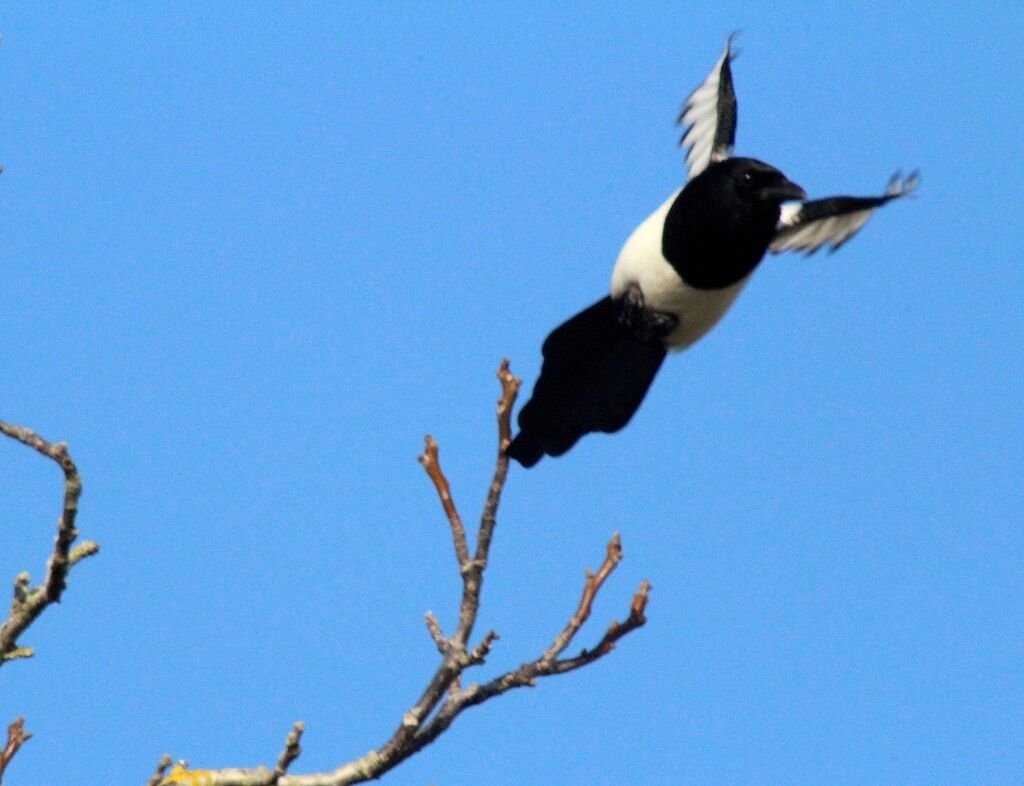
(29,602)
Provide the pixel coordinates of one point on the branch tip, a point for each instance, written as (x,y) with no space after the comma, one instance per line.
(292,750)
(83,550)
(161,767)
(431,463)
(509,390)
(30,602)
(17,653)
(434,627)
(16,737)
(429,453)
(639,604)
(22,583)
(483,649)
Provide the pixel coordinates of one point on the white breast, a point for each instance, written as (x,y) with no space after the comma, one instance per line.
(641,263)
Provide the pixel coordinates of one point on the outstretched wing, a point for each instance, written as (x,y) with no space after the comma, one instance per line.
(807,226)
(709,116)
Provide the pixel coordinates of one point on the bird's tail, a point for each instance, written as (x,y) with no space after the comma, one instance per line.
(595,374)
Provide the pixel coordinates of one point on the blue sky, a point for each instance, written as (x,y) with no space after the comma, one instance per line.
(252,253)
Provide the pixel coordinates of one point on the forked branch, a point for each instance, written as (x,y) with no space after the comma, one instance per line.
(444,698)
(29,602)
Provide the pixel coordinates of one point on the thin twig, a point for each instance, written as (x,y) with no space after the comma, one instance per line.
(29,602)
(444,698)
(528,673)
(483,649)
(291,752)
(434,627)
(429,460)
(616,631)
(488,519)
(158,773)
(16,737)
(455,657)
(613,555)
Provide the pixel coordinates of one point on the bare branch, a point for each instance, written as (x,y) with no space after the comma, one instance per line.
(16,737)
(546,665)
(455,657)
(615,632)
(434,626)
(158,773)
(444,698)
(483,649)
(29,602)
(509,390)
(593,584)
(291,752)
(429,460)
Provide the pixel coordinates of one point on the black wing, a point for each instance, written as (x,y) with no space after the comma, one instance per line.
(709,116)
(807,226)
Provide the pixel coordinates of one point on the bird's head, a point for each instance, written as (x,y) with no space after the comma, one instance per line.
(756,182)
(720,225)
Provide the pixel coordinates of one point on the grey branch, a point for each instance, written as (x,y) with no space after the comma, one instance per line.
(180,775)
(29,602)
(158,773)
(291,752)
(444,698)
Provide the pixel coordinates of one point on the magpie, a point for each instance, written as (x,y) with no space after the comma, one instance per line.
(678,273)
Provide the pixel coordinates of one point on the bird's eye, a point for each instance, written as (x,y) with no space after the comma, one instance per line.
(747,176)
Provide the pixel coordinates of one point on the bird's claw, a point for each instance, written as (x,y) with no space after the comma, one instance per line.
(645,324)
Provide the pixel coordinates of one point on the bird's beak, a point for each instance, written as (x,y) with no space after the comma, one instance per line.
(783,191)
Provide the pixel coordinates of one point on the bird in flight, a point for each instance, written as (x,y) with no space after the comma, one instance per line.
(678,273)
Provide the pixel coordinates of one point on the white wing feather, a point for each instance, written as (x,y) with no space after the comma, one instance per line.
(807,226)
(709,114)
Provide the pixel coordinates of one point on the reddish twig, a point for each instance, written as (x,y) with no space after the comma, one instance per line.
(429,460)
(616,630)
(16,737)
(444,698)
(455,657)
(592,586)
(548,664)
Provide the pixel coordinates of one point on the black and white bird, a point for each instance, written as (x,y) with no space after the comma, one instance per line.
(678,273)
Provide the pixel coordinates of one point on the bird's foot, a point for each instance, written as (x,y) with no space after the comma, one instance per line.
(645,324)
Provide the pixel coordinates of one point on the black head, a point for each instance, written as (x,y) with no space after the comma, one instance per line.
(721,223)
(754,181)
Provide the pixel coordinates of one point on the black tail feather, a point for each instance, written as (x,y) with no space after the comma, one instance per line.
(595,374)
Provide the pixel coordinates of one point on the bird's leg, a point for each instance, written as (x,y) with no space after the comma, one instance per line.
(646,324)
